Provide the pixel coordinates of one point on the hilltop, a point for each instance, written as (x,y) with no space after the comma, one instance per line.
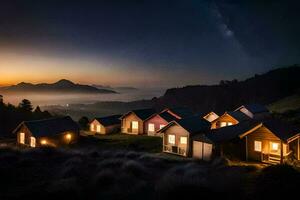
(61,86)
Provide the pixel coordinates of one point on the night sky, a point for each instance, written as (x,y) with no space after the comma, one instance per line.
(145,42)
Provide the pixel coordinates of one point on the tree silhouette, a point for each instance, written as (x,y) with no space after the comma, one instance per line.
(84,123)
(26,105)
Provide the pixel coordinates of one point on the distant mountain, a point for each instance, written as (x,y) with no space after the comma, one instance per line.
(125,88)
(62,86)
(265,89)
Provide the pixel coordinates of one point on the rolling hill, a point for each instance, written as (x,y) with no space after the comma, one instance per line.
(265,89)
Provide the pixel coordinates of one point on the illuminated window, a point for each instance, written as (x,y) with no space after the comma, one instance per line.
(92,127)
(229,124)
(223,124)
(161,126)
(98,128)
(183,140)
(257,146)
(274,146)
(22,138)
(32,141)
(135,125)
(151,127)
(171,139)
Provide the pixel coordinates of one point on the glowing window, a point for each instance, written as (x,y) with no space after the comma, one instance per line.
(98,128)
(22,138)
(135,124)
(161,126)
(229,124)
(43,142)
(223,124)
(183,140)
(151,128)
(257,146)
(171,139)
(32,141)
(68,136)
(92,127)
(274,146)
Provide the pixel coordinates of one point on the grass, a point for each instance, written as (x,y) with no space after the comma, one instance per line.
(120,142)
(285,104)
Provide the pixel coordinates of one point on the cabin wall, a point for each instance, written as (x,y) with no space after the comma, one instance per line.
(224,118)
(178,131)
(265,136)
(112,129)
(93,127)
(55,141)
(126,125)
(157,121)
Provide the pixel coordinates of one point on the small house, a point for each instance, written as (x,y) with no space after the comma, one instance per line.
(47,132)
(178,135)
(133,121)
(270,141)
(211,116)
(159,120)
(229,119)
(106,125)
(254,111)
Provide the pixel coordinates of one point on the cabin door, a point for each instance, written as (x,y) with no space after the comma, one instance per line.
(32,141)
(98,128)
(202,150)
(22,138)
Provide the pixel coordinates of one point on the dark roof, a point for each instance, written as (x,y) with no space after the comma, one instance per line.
(50,127)
(182,112)
(228,133)
(167,116)
(255,108)
(238,115)
(109,120)
(143,114)
(194,125)
(281,129)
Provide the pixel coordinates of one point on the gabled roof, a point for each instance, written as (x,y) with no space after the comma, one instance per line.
(254,108)
(228,133)
(239,116)
(193,125)
(167,116)
(109,120)
(182,112)
(50,127)
(143,114)
(280,129)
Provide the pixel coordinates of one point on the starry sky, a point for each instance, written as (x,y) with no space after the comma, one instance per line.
(157,43)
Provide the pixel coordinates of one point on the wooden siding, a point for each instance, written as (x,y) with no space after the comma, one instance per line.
(178,131)
(224,118)
(104,130)
(157,121)
(265,136)
(211,117)
(55,141)
(126,125)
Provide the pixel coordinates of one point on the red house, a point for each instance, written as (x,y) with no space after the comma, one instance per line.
(157,121)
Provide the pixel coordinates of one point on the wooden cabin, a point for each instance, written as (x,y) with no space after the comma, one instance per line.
(106,125)
(211,116)
(229,119)
(177,135)
(48,132)
(270,141)
(254,111)
(133,121)
(159,120)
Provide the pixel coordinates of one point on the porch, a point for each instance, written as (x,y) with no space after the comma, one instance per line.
(174,150)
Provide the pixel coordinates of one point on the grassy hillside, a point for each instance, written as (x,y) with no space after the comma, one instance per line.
(285,104)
